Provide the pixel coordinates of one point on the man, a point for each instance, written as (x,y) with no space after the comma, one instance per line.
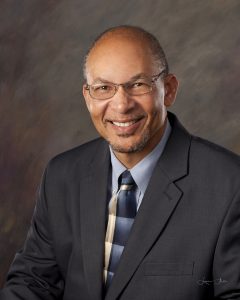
(148,211)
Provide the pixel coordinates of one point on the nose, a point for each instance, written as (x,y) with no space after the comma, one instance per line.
(121,101)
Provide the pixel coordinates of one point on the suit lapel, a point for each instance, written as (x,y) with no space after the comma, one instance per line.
(152,217)
(159,202)
(93,201)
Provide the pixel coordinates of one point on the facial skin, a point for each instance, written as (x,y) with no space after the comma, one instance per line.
(118,59)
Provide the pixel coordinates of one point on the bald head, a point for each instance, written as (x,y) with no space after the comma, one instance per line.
(133,34)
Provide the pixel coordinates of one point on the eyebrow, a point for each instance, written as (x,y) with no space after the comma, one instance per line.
(135,77)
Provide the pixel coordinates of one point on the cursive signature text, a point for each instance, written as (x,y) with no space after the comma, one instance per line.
(210,282)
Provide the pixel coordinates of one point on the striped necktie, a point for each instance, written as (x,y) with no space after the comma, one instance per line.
(122,211)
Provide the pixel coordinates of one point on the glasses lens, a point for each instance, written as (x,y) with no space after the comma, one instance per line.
(139,87)
(102,91)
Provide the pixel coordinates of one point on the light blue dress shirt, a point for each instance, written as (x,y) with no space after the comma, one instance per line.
(142,171)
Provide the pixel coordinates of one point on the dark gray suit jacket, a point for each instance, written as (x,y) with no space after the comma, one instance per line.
(184,244)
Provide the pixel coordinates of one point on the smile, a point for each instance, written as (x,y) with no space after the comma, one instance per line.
(124,124)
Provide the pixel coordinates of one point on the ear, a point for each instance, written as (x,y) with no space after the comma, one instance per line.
(171,87)
(86,96)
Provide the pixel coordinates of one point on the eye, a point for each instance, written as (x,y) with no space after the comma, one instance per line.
(138,85)
(101,88)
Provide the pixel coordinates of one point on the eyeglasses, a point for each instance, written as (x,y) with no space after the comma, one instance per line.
(106,90)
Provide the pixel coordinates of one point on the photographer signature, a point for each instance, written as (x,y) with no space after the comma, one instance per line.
(209,282)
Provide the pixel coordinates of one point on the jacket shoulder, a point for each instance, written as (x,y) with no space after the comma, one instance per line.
(214,157)
(80,155)
(205,145)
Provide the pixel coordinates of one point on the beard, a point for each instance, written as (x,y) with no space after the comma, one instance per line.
(136,147)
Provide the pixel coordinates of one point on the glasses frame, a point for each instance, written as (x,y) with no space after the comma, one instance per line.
(116,86)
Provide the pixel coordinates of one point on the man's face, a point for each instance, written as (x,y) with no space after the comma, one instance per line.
(131,124)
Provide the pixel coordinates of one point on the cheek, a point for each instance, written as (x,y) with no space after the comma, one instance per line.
(153,109)
(156,115)
(97,111)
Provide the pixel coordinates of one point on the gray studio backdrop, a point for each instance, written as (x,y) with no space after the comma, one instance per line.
(42,111)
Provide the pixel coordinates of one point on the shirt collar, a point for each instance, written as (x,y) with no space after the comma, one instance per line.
(142,171)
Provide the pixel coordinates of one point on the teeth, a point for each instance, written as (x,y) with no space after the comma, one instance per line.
(125,124)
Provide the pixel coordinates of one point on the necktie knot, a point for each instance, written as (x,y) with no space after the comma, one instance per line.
(126,179)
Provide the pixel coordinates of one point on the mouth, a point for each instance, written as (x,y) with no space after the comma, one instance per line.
(124,124)
(128,126)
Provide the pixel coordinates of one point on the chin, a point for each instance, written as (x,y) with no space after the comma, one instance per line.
(132,148)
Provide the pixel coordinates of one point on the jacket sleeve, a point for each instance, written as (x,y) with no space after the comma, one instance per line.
(34,273)
(226,265)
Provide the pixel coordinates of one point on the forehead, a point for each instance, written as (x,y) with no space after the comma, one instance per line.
(117,59)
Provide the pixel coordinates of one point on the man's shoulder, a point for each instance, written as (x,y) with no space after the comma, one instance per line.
(201,154)
(80,155)
(211,155)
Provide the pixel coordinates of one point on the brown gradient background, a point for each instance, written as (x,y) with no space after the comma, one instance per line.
(42,111)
